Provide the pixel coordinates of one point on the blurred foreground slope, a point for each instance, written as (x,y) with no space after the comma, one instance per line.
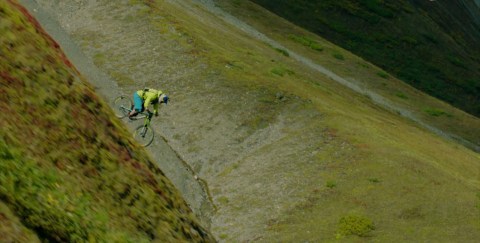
(68,169)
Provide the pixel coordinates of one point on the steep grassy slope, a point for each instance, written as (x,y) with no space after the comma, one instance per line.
(432,45)
(69,170)
(409,101)
(289,154)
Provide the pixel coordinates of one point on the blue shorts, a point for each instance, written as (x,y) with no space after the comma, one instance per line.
(138,102)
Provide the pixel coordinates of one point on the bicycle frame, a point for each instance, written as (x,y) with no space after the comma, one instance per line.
(148,118)
(143,133)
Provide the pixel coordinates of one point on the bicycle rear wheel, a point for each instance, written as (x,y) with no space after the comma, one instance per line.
(122,105)
(144,135)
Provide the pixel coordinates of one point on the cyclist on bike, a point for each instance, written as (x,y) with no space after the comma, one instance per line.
(144,97)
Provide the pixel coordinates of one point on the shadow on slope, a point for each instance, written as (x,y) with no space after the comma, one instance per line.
(431,45)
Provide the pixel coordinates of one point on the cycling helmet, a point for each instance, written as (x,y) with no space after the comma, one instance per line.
(164,98)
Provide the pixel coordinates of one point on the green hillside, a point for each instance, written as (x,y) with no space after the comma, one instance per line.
(69,171)
(288,153)
(432,45)
(425,109)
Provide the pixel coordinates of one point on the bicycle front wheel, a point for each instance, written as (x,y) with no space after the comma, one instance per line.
(122,106)
(144,135)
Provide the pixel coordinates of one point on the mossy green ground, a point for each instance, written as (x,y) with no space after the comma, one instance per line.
(69,170)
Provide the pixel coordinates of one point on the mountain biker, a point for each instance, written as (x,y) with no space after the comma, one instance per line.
(145,97)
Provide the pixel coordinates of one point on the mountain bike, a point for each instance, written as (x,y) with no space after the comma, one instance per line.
(144,134)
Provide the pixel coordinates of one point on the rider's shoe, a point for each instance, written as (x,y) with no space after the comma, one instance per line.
(132,116)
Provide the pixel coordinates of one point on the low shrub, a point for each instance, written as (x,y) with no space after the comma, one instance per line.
(306,41)
(331,184)
(282,51)
(383,74)
(401,95)
(354,225)
(281,71)
(338,56)
(437,112)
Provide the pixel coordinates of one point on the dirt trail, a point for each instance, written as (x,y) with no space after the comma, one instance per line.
(212,126)
(193,190)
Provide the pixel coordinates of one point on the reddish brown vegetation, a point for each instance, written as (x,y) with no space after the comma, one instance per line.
(44,34)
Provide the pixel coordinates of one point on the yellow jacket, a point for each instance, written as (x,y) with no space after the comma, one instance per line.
(150,96)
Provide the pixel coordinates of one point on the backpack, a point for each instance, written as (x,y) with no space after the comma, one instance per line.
(145,90)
